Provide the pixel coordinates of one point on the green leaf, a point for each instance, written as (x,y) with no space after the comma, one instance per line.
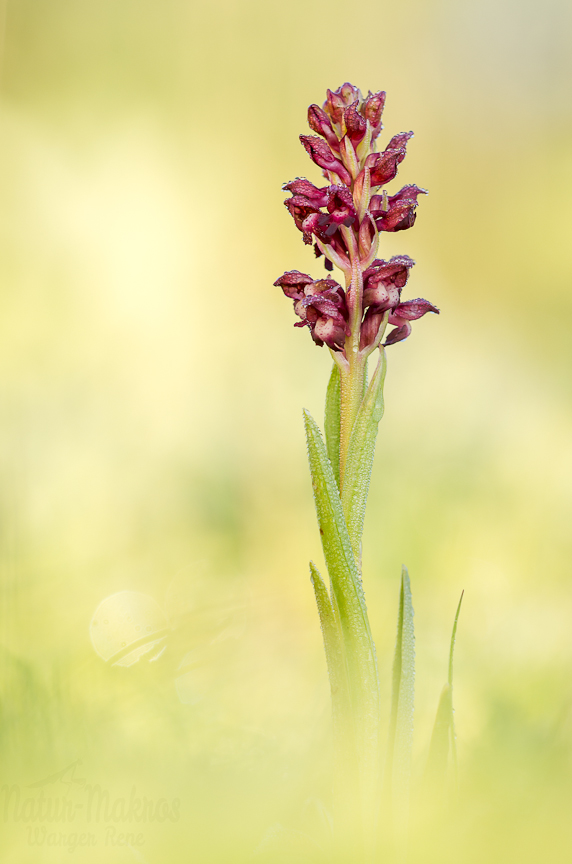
(398,765)
(332,420)
(361,450)
(335,656)
(348,596)
(332,636)
(444,729)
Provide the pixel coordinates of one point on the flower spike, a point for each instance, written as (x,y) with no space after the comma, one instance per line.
(344,220)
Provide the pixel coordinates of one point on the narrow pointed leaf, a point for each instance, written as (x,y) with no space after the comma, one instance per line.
(335,656)
(333,644)
(361,450)
(345,750)
(332,421)
(398,765)
(346,584)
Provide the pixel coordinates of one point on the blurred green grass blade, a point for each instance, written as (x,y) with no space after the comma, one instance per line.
(450,682)
(346,583)
(444,728)
(359,461)
(453,637)
(332,420)
(398,764)
(439,747)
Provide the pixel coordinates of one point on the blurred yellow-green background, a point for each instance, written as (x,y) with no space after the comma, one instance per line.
(151,387)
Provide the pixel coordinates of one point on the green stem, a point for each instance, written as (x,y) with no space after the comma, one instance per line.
(353,381)
(353,376)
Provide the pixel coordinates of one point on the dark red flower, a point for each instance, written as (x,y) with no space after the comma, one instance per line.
(301,210)
(300,186)
(341,206)
(383,166)
(325,312)
(293,283)
(320,304)
(309,219)
(384,280)
(396,212)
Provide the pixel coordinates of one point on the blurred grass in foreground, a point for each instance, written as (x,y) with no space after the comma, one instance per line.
(151,390)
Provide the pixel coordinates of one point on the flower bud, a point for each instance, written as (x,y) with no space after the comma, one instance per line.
(355,123)
(320,153)
(338,100)
(373,109)
(319,122)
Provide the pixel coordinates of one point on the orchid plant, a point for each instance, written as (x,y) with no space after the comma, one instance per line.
(344,220)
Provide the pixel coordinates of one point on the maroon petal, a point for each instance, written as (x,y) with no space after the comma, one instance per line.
(402,316)
(330,332)
(322,156)
(411,310)
(319,122)
(383,166)
(399,334)
(408,193)
(401,217)
(293,283)
(395,271)
(381,296)
(384,280)
(301,186)
(400,213)
(370,328)
(399,141)
(300,209)
(319,225)
(329,285)
(324,310)
(323,305)
(341,205)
